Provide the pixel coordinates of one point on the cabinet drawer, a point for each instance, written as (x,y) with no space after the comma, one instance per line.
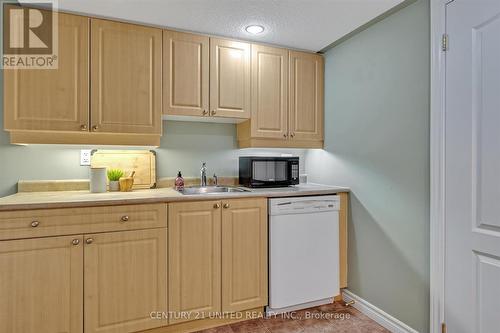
(67,221)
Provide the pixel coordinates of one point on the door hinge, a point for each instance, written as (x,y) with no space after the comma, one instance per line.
(444,43)
(443,327)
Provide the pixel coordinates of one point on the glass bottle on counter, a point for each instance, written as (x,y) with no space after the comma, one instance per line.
(179,182)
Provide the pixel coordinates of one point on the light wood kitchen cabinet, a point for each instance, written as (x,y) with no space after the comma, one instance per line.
(125,280)
(194,255)
(80,220)
(125,78)
(210,237)
(185,74)
(244,254)
(52,99)
(229,78)
(287,100)
(41,285)
(269,92)
(306,96)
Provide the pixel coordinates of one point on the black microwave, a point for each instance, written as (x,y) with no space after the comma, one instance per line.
(266,171)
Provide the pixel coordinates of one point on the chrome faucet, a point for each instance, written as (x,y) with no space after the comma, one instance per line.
(203,174)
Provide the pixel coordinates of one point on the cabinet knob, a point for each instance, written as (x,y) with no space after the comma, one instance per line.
(125,218)
(83,127)
(217,205)
(75,241)
(35,224)
(213,112)
(205,112)
(89,240)
(226,205)
(95,128)
(292,134)
(285,135)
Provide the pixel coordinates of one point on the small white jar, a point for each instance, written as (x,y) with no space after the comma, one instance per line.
(98,180)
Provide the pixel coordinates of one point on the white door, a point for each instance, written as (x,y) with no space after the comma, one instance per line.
(472,163)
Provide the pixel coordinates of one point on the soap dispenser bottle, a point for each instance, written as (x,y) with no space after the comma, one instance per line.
(179,182)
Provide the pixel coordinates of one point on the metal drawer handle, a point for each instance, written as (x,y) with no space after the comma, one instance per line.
(217,205)
(205,112)
(89,240)
(95,128)
(125,218)
(83,127)
(35,224)
(226,205)
(214,112)
(75,241)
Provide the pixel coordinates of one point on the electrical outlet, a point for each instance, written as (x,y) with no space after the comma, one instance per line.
(85,156)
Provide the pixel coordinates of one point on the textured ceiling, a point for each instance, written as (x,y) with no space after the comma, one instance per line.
(302,24)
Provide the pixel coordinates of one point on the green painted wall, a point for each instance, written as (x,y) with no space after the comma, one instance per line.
(183,146)
(377,143)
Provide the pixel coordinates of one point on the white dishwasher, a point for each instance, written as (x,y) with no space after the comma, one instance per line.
(303,252)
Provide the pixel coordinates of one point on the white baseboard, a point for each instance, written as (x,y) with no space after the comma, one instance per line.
(392,324)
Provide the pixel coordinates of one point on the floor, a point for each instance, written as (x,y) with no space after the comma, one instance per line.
(331,318)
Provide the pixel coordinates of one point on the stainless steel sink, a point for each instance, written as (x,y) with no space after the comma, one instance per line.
(211,189)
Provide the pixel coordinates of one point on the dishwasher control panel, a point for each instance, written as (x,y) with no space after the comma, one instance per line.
(297,205)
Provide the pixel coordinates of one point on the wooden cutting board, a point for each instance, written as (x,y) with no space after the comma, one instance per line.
(143,162)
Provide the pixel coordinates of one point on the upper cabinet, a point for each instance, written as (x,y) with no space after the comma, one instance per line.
(126,78)
(306,96)
(185,74)
(106,89)
(269,92)
(53,99)
(205,76)
(287,100)
(229,78)
(116,80)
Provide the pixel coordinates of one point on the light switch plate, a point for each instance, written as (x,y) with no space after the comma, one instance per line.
(85,156)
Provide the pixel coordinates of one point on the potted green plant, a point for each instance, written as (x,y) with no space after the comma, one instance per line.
(114,176)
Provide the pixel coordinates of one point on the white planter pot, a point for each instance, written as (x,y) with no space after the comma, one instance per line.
(114,186)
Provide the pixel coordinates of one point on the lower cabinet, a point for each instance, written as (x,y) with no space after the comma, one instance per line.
(194,281)
(217,257)
(213,259)
(119,277)
(244,254)
(41,285)
(125,280)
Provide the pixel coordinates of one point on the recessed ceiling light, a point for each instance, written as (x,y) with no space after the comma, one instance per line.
(254,29)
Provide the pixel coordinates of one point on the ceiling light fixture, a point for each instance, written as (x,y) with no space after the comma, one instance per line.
(254,29)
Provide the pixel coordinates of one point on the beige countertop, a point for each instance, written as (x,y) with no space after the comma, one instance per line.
(62,199)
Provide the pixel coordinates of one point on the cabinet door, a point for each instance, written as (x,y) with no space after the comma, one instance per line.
(269,92)
(41,285)
(229,78)
(126,78)
(185,74)
(125,280)
(53,99)
(244,254)
(194,259)
(306,96)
